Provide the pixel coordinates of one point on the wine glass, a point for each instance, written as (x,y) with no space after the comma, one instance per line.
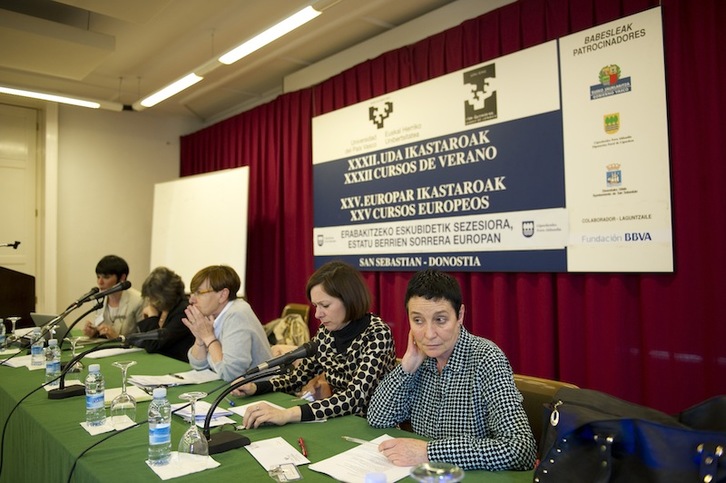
(193,442)
(73,341)
(13,321)
(124,405)
(434,472)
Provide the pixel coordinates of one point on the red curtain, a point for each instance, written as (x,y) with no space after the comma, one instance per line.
(654,339)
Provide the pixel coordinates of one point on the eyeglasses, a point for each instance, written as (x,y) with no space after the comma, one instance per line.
(197,293)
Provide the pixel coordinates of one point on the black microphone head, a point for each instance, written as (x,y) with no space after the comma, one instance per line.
(126,285)
(94,290)
(311,348)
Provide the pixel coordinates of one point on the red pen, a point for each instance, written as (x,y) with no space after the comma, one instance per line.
(302,447)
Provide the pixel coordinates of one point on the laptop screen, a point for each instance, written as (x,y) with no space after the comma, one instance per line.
(41,320)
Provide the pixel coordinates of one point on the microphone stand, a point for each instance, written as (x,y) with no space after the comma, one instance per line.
(222,441)
(98,305)
(64,392)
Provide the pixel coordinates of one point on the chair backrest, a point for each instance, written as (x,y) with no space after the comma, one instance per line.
(303,310)
(537,392)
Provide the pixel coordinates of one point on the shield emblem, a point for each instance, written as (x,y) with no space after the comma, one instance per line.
(320,240)
(528,228)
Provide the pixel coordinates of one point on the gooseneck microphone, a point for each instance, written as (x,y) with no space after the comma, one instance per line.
(308,349)
(125,285)
(85,297)
(120,342)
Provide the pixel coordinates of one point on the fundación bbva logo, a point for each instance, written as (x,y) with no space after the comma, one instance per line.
(378,113)
(481,94)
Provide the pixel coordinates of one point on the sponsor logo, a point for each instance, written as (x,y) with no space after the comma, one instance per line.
(377,114)
(613,175)
(610,83)
(611,122)
(528,228)
(480,103)
(321,240)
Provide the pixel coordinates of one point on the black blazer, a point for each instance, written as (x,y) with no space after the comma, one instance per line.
(177,338)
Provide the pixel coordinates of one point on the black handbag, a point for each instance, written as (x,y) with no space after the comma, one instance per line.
(593,437)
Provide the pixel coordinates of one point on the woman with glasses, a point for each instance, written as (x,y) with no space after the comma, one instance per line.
(163,293)
(228,336)
(355,351)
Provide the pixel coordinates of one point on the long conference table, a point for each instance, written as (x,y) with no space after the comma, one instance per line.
(44,437)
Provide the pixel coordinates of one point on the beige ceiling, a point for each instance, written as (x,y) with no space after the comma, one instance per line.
(123,50)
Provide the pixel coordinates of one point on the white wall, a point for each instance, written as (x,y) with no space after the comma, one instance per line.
(108,163)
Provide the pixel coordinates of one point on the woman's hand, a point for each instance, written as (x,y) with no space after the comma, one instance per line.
(404,451)
(413,358)
(262,413)
(245,389)
(202,327)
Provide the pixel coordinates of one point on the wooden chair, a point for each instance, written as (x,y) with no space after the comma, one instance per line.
(537,392)
(301,309)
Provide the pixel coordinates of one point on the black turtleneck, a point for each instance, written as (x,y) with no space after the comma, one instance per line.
(342,338)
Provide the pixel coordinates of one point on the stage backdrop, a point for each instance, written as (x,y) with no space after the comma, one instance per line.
(554,158)
(652,338)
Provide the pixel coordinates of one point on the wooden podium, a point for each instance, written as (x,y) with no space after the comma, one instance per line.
(17,297)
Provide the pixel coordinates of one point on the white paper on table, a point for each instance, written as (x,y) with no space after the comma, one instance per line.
(201,408)
(68,383)
(20,361)
(122,422)
(352,466)
(176,379)
(8,352)
(137,393)
(274,452)
(100,354)
(183,464)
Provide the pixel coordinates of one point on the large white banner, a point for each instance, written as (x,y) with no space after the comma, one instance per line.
(554,158)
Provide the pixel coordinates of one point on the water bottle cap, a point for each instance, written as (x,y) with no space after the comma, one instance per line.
(375,478)
(159,392)
(94,368)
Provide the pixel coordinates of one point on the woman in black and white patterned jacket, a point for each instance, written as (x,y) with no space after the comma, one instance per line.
(355,351)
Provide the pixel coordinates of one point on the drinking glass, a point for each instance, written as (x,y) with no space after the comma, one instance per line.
(73,341)
(124,404)
(13,321)
(193,441)
(434,472)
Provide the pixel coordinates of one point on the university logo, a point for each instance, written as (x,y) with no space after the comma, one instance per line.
(480,103)
(320,239)
(611,83)
(377,114)
(613,176)
(611,122)
(528,228)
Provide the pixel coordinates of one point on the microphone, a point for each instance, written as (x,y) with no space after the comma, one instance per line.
(310,348)
(125,285)
(84,298)
(134,339)
(63,392)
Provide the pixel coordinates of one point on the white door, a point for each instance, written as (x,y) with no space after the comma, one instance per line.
(18,207)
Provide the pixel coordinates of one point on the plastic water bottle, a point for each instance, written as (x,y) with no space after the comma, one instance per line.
(95,386)
(159,428)
(36,349)
(52,363)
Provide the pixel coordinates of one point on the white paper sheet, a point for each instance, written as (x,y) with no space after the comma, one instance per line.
(352,466)
(274,452)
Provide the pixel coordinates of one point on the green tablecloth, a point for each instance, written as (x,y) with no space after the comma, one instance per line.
(44,437)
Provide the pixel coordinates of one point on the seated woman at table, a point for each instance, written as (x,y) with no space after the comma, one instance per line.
(455,388)
(163,293)
(228,337)
(355,350)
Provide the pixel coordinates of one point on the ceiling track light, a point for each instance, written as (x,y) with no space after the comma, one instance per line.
(270,35)
(46,96)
